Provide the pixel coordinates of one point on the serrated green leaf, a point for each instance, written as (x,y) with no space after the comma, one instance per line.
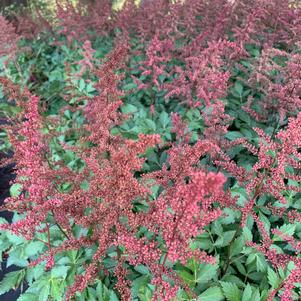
(261,264)
(238,88)
(142,269)
(287,229)
(231,291)
(206,272)
(15,239)
(15,190)
(33,273)
(14,259)
(3,221)
(247,234)
(28,297)
(233,135)
(129,86)
(82,84)
(150,124)
(233,279)
(164,119)
(225,239)
(211,294)
(128,108)
(34,248)
(59,271)
(273,279)
(229,217)
(11,281)
(56,289)
(237,246)
(217,228)
(44,292)
(247,293)
(195,273)
(255,296)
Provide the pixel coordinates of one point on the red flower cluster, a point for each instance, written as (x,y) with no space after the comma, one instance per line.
(190,51)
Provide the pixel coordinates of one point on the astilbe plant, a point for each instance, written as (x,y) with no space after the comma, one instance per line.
(106,207)
(275,75)
(189,52)
(274,174)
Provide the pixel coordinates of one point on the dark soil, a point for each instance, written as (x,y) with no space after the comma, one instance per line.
(6,175)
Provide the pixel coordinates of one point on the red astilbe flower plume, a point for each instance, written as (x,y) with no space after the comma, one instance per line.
(278,161)
(8,38)
(274,174)
(86,62)
(192,22)
(112,162)
(159,53)
(76,19)
(32,171)
(277,77)
(203,80)
(178,215)
(267,22)
(109,165)
(294,277)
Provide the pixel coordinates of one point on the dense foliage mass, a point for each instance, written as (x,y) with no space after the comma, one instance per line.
(156,150)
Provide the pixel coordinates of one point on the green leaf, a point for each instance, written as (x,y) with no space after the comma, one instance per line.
(33,273)
(28,297)
(82,85)
(233,135)
(261,264)
(273,279)
(128,108)
(11,281)
(198,273)
(142,269)
(187,277)
(44,293)
(218,229)
(130,86)
(34,248)
(229,217)
(15,190)
(164,119)
(225,239)
(231,291)
(3,221)
(287,229)
(266,222)
(15,239)
(57,289)
(247,234)
(237,246)
(150,125)
(238,88)
(247,294)
(211,294)
(206,272)
(255,295)
(244,117)
(240,267)
(233,279)
(14,259)
(59,271)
